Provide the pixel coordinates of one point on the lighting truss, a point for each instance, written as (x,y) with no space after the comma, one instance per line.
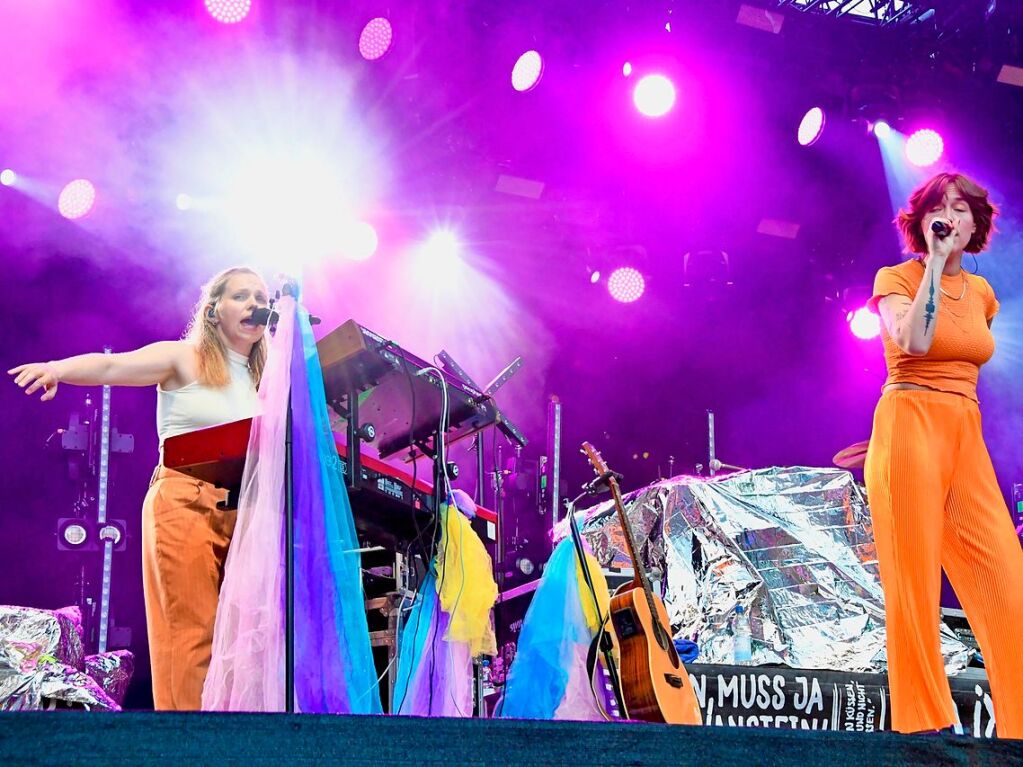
(882,13)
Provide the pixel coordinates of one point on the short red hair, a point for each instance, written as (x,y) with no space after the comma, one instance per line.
(931,193)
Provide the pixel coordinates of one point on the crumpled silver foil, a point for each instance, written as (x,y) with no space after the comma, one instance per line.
(112,672)
(793,545)
(41,663)
(57,632)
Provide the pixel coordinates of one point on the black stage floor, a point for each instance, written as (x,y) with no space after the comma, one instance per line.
(80,738)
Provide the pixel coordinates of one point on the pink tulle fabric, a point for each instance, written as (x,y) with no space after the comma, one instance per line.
(579,703)
(247,668)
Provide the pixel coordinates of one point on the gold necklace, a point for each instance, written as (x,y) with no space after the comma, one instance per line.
(951,296)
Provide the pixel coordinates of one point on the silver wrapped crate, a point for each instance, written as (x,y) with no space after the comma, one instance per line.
(42,664)
(793,545)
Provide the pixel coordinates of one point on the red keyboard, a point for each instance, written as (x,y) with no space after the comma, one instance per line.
(388,506)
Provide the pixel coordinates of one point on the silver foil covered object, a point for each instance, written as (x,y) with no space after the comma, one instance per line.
(41,663)
(112,672)
(793,545)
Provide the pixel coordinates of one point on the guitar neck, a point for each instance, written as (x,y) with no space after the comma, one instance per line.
(604,474)
(637,566)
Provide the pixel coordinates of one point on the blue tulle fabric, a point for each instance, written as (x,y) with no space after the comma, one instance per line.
(554,635)
(334,672)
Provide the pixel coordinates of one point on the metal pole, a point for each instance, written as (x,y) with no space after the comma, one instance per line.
(289,569)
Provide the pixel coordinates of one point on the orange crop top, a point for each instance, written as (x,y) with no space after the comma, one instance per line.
(962,339)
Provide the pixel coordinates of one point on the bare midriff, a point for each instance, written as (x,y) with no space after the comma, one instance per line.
(912,386)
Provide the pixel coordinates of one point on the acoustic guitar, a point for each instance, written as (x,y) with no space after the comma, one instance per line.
(655,684)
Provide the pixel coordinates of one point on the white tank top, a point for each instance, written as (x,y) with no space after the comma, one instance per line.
(196,406)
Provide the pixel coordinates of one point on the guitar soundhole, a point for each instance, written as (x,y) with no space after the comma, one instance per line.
(625,624)
(661,636)
(668,646)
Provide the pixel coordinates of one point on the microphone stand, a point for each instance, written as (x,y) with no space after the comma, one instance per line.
(271,317)
(289,568)
(606,646)
(713,464)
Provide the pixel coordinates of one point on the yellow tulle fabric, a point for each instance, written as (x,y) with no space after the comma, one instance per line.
(466,582)
(599,586)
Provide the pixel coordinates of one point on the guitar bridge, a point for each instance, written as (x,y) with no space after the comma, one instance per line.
(674,680)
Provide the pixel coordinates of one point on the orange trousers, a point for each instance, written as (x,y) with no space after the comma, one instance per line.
(935,503)
(184,545)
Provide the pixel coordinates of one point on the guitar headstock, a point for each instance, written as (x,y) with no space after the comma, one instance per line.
(596,459)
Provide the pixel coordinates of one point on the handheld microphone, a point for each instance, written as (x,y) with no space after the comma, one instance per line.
(941,229)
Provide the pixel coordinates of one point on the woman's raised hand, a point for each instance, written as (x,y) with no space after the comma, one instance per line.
(37,375)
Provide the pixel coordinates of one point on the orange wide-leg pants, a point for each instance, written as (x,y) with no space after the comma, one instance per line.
(935,503)
(185,538)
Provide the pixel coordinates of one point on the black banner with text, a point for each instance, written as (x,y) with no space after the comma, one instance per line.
(807,699)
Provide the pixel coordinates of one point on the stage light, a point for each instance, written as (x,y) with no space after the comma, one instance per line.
(594,276)
(74,535)
(8,177)
(924,148)
(291,202)
(375,39)
(525,565)
(228,11)
(359,241)
(438,266)
(881,129)
(627,69)
(626,284)
(183,201)
(811,126)
(443,248)
(654,95)
(864,323)
(76,199)
(527,71)
(111,533)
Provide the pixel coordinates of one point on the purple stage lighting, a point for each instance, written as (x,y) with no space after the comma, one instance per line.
(924,148)
(8,177)
(654,95)
(627,69)
(864,324)
(811,126)
(376,38)
(527,71)
(881,129)
(76,199)
(228,11)
(626,284)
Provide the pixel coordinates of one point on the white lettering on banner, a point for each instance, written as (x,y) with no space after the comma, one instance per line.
(860,715)
(699,688)
(983,703)
(779,721)
(767,699)
(752,691)
(745,691)
(808,695)
(728,686)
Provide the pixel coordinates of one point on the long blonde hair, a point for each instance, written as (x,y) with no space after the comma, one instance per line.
(202,331)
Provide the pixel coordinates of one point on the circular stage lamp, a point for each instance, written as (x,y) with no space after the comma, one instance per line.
(527,71)
(626,284)
(376,38)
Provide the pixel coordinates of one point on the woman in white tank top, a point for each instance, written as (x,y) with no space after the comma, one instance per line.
(210,377)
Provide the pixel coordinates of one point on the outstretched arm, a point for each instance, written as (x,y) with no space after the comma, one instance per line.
(153,364)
